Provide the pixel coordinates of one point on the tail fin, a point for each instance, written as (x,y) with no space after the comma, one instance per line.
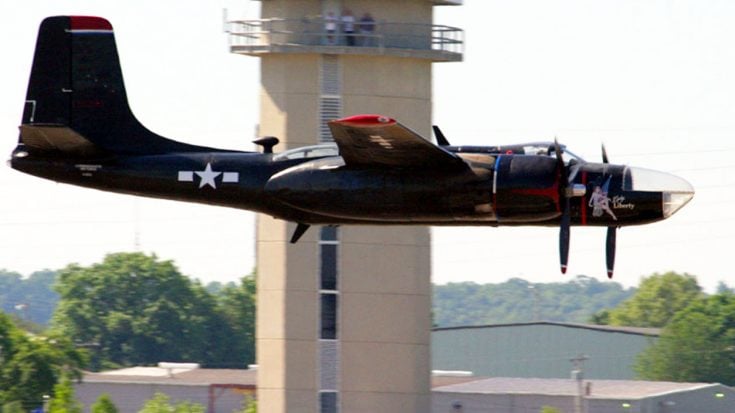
(76,101)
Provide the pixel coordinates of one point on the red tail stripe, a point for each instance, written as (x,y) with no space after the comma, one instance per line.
(89,23)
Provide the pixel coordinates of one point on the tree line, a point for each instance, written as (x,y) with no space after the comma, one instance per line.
(517,300)
(31,299)
(134,309)
(130,309)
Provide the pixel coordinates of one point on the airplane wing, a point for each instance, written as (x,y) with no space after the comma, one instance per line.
(372,140)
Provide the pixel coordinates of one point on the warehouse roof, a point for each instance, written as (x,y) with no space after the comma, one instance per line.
(654,332)
(599,389)
(176,376)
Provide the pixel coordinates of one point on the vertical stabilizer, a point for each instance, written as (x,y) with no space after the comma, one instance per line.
(76,83)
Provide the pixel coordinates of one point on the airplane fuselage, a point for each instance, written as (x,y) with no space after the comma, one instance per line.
(499,188)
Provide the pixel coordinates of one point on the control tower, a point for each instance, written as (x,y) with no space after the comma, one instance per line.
(344,315)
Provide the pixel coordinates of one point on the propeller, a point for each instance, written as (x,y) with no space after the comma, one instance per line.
(611,234)
(610,250)
(564,232)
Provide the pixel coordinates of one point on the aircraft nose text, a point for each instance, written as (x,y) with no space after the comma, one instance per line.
(676,192)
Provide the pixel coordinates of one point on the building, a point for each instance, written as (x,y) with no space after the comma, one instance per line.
(219,390)
(344,315)
(224,391)
(522,395)
(540,349)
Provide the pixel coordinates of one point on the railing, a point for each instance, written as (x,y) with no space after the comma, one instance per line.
(265,33)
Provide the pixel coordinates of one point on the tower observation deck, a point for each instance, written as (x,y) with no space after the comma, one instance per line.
(437,43)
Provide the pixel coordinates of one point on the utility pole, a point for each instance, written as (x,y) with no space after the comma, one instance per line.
(578,375)
(535,292)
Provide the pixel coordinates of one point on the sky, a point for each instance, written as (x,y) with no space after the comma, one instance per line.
(652,79)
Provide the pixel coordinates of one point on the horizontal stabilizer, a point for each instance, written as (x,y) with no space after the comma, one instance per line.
(57,138)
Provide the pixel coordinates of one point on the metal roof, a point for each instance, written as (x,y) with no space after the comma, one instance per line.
(599,389)
(200,377)
(644,331)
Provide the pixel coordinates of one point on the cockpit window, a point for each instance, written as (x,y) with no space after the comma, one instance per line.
(566,154)
(308,152)
(536,150)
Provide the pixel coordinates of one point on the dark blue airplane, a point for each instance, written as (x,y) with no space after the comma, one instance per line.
(78,128)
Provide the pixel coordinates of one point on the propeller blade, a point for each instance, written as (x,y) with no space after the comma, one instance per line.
(564,235)
(559,158)
(604,154)
(610,250)
(564,231)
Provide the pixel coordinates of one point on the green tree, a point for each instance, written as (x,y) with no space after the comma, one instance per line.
(161,403)
(104,404)
(251,405)
(13,407)
(63,400)
(135,309)
(237,303)
(657,299)
(696,346)
(32,364)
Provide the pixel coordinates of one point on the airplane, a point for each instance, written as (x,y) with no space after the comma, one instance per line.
(78,128)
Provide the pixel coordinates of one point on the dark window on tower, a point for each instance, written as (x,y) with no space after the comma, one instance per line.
(329,234)
(328,274)
(328,402)
(329,317)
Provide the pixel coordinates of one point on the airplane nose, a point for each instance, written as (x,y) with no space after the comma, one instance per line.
(676,192)
(674,201)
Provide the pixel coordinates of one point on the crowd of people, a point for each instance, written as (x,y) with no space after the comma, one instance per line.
(356,32)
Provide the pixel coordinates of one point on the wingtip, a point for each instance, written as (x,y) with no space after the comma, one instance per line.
(366,120)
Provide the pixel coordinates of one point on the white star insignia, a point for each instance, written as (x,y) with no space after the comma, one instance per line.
(207,176)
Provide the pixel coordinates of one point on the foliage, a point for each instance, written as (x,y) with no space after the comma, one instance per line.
(549,409)
(696,346)
(63,400)
(31,299)
(251,405)
(657,300)
(134,309)
(31,365)
(237,303)
(161,403)
(215,287)
(104,404)
(13,407)
(516,300)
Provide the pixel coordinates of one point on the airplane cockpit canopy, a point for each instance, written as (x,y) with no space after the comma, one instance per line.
(548,149)
(308,152)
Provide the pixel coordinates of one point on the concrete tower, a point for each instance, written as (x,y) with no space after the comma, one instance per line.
(343,315)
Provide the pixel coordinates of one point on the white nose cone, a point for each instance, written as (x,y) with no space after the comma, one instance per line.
(674,201)
(676,192)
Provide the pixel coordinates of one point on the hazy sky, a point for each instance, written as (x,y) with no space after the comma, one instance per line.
(652,79)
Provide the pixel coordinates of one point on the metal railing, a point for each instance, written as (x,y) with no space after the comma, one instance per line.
(264,33)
